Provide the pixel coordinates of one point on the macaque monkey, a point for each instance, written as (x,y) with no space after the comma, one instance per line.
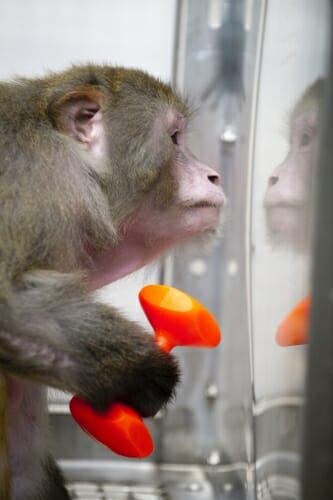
(287,199)
(95,182)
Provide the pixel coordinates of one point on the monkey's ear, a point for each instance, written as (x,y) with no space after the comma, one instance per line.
(79,114)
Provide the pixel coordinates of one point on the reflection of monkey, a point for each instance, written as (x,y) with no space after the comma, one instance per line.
(288,196)
(95,181)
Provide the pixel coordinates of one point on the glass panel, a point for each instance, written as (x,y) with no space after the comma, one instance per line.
(293,66)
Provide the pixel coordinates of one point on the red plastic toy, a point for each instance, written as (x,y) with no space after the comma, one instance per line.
(294,329)
(178,320)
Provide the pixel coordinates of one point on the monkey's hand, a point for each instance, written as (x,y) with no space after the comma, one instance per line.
(52,331)
(121,362)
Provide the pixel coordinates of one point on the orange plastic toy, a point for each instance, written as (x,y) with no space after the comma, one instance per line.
(178,320)
(294,328)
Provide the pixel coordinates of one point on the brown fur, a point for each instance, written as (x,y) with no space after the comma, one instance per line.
(90,167)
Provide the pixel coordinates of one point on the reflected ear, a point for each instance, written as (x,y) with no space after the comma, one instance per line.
(79,114)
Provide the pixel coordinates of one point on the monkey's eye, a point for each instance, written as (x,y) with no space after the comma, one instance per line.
(305,139)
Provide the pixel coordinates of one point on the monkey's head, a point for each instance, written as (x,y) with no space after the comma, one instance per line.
(287,200)
(129,130)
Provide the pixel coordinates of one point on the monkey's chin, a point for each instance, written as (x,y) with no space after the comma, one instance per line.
(137,249)
(198,220)
(288,227)
(207,235)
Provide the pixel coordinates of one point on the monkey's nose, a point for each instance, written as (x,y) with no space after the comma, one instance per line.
(273,180)
(214,179)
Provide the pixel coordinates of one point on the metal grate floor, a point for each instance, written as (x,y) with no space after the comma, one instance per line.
(119,480)
(279,487)
(105,491)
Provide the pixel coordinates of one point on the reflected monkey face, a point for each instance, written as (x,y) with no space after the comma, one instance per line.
(287,200)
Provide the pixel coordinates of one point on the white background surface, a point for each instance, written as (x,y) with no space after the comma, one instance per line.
(39,35)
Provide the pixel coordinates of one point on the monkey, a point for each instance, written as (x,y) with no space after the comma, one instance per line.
(287,200)
(96,181)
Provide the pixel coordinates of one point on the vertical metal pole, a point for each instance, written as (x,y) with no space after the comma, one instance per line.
(317,480)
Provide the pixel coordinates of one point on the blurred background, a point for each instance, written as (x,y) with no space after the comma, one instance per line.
(256,73)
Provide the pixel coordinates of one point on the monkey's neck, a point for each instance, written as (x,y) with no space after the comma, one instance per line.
(124,259)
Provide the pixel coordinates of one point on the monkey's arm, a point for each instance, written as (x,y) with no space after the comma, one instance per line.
(53,332)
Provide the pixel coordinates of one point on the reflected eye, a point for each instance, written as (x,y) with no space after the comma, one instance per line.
(305,139)
(175,137)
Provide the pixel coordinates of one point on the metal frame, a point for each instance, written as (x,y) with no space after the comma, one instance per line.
(318,429)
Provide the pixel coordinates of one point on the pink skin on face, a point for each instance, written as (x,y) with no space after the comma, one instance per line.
(287,199)
(153,231)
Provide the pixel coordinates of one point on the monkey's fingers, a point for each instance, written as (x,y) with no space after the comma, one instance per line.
(178,319)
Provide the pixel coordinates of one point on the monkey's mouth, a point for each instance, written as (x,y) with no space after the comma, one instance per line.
(216,201)
(206,215)
(205,204)
(283,211)
(272,205)
(287,220)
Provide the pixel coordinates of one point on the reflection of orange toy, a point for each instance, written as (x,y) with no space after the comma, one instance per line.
(294,328)
(178,320)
